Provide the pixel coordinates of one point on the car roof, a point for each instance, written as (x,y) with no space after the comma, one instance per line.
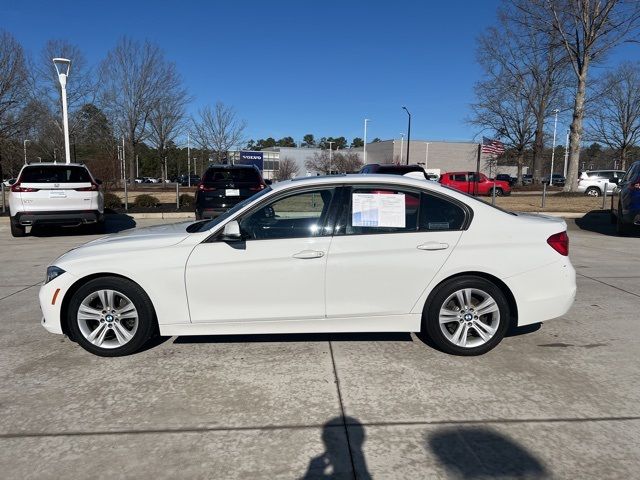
(228,166)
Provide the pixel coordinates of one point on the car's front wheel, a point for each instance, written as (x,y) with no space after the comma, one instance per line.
(592,192)
(467,316)
(111,316)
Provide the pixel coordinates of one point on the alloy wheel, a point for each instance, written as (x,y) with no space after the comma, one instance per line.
(107,318)
(469,317)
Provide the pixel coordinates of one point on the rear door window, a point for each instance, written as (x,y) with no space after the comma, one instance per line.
(54,174)
(437,214)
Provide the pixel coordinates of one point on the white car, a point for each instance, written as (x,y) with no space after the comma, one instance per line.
(594,182)
(349,253)
(55,194)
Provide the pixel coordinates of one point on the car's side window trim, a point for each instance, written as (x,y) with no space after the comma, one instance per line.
(327,227)
(343,214)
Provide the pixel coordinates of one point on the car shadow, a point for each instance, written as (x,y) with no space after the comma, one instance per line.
(599,221)
(114,223)
(481,452)
(297,337)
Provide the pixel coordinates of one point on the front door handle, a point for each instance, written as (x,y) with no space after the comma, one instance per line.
(433,246)
(308,254)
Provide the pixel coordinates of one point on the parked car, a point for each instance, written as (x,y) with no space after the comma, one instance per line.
(223,186)
(138,180)
(312,253)
(505,177)
(625,200)
(527,179)
(467,182)
(184,180)
(393,169)
(594,182)
(558,179)
(55,194)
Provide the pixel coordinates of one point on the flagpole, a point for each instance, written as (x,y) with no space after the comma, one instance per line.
(475,184)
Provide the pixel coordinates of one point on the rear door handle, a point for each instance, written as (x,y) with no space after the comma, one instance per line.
(308,254)
(433,246)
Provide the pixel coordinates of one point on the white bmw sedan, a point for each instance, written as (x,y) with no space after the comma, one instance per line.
(352,253)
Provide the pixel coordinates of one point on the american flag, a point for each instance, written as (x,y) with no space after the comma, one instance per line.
(492,147)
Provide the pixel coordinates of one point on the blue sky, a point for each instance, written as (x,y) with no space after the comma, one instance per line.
(296,67)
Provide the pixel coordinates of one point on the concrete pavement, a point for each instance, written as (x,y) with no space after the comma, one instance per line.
(559,401)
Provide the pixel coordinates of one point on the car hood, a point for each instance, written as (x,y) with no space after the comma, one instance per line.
(131,240)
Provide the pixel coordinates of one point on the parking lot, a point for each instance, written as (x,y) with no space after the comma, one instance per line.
(557,401)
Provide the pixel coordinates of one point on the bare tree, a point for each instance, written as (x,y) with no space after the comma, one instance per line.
(287,169)
(348,162)
(13,83)
(319,163)
(133,80)
(167,119)
(218,129)
(588,30)
(503,109)
(615,112)
(531,54)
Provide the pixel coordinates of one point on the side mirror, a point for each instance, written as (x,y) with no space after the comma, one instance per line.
(231,232)
(268,182)
(614,180)
(12,181)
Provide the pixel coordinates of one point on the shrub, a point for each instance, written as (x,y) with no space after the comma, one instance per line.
(112,201)
(146,200)
(186,200)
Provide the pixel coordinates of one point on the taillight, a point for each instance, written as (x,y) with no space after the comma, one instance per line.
(259,187)
(92,188)
(560,243)
(202,188)
(16,188)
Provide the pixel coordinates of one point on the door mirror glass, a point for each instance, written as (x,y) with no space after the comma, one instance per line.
(231,231)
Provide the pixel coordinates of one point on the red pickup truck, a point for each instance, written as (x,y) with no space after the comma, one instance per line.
(468,183)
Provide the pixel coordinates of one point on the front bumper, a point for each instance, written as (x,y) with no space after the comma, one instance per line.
(70,218)
(51,302)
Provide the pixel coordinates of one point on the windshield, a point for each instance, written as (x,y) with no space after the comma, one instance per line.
(231,174)
(209,224)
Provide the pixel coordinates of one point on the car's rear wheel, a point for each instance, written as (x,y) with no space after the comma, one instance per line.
(622,228)
(592,192)
(111,316)
(467,316)
(499,192)
(17,230)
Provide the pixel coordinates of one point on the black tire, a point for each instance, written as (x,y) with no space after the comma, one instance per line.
(499,192)
(613,218)
(17,230)
(144,307)
(593,192)
(99,227)
(431,313)
(622,229)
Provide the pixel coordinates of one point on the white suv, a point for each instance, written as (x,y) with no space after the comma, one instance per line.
(594,182)
(55,194)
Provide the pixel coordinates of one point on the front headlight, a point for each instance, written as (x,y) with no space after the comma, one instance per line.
(53,272)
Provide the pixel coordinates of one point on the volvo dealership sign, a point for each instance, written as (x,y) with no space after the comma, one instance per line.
(252,158)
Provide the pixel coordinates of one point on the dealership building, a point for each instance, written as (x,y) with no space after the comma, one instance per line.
(436,156)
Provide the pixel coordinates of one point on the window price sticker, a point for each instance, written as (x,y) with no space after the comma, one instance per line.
(378,210)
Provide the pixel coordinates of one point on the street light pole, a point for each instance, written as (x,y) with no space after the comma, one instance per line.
(366,120)
(426,157)
(63,65)
(408,133)
(189,158)
(24,146)
(566,154)
(330,155)
(553,150)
